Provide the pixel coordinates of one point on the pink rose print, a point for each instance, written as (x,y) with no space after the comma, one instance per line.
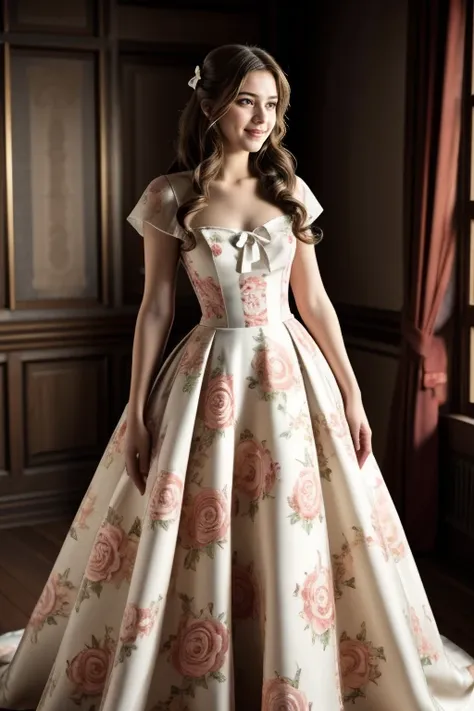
(354,663)
(207,518)
(47,602)
(428,653)
(254,468)
(359,662)
(165,500)
(89,669)
(84,512)
(153,195)
(128,554)
(209,294)
(245,600)
(255,472)
(192,362)
(387,528)
(216,249)
(306,498)
(219,402)
(112,558)
(137,622)
(273,367)
(105,558)
(281,695)
(318,602)
(302,337)
(55,601)
(116,443)
(253,297)
(343,566)
(200,648)
(285,281)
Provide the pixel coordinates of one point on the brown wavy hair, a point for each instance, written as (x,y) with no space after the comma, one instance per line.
(200,144)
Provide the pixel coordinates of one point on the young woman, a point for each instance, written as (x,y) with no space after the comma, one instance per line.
(237,548)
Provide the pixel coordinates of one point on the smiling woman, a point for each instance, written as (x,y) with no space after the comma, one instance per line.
(238,547)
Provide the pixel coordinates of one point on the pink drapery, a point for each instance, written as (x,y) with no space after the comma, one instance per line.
(433,121)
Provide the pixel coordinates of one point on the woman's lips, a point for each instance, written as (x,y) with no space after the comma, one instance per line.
(255,134)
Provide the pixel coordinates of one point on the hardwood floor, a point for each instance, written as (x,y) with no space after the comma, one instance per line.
(27,555)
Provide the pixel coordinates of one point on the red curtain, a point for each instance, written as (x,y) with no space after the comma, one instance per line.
(433,118)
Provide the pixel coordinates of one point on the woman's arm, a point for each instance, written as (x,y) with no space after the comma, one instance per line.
(320,317)
(155,316)
(154,321)
(321,320)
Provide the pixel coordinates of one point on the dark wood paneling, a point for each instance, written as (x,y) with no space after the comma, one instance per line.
(190,26)
(456,523)
(3,420)
(52,16)
(148,145)
(371,324)
(34,331)
(66,407)
(35,507)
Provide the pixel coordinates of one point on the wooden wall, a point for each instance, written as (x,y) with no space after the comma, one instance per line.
(92,93)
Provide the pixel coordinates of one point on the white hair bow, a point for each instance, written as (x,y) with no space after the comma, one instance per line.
(194,80)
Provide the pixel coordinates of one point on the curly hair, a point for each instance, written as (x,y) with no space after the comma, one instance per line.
(200,141)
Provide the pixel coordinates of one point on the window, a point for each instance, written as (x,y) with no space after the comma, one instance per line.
(465,252)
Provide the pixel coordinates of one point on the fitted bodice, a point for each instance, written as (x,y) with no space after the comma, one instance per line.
(241,277)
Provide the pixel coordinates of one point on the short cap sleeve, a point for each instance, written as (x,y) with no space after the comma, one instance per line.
(306,196)
(157,207)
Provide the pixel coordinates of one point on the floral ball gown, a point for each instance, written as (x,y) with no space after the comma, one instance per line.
(262,570)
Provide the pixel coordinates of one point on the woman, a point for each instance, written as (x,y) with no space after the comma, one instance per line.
(237,547)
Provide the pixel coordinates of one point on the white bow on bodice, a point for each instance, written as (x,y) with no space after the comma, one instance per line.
(252,246)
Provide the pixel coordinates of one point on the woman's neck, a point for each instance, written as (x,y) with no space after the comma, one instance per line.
(235,168)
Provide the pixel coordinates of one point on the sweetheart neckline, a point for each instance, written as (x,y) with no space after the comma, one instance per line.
(238,231)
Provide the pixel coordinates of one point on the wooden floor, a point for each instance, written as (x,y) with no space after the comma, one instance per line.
(27,555)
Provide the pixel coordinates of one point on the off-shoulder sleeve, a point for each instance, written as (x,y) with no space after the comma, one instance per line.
(157,207)
(307,197)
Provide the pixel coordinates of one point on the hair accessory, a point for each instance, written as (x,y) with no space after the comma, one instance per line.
(197,76)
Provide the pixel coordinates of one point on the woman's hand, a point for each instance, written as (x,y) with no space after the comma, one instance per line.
(359,427)
(137,452)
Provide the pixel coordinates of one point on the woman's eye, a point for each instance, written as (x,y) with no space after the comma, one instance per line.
(272,105)
(241,102)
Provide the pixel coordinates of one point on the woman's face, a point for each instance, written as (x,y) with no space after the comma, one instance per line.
(251,117)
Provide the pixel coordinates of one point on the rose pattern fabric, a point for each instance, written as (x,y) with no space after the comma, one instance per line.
(137,623)
(429,653)
(219,402)
(360,664)
(165,500)
(306,498)
(245,592)
(112,558)
(255,471)
(386,526)
(88,670)
(55,601)
(116,444)
(209,294)
(84,512)
(204,524)
(274,370)
(317,595)
(281,693)
(243,576)
(192,362)
(254,300)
